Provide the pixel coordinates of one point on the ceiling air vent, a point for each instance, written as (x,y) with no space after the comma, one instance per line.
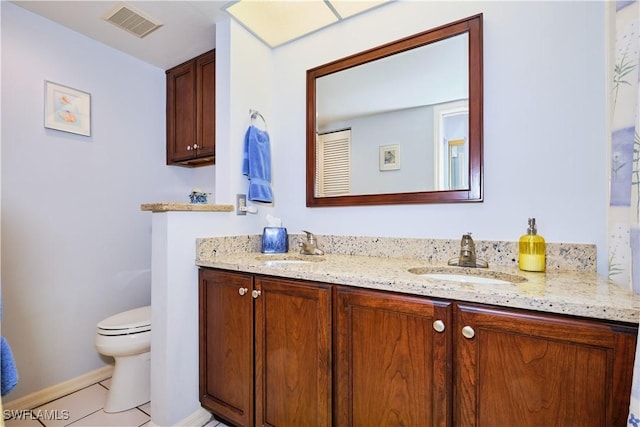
(131,20)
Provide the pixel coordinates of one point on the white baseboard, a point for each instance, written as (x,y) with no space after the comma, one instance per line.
(198,419)
(56,391)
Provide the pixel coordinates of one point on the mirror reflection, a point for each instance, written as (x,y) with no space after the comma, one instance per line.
(385,103)
(401,123)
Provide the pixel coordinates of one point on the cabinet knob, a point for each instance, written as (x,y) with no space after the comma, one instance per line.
(188,148)
(468,332)
(255,293)
(195,146)
(242,291)
(438,325)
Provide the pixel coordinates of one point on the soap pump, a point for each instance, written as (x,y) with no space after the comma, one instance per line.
(531,249)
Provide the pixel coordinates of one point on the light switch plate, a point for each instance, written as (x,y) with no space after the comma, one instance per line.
(241,204)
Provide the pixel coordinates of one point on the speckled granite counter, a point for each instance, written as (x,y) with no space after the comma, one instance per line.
(578,292)
(185,207)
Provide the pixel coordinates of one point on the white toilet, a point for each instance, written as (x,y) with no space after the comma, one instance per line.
(127,338)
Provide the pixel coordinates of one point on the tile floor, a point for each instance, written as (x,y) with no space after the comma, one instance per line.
(84,409)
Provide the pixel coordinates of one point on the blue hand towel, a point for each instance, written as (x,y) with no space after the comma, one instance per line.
(8,371)
(256,164)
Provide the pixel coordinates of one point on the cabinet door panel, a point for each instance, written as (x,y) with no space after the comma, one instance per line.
(535,370)
(206,97)
(392,367)
(181,112)
(293,353)
(226,345)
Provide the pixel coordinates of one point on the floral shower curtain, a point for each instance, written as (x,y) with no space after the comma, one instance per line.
(624,204)
(624,211)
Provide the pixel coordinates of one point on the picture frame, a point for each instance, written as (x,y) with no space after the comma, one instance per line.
(389,157)
(67,109)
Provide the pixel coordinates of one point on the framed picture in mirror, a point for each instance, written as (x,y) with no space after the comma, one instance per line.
(389,157)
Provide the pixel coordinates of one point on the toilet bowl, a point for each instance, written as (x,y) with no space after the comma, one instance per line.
(126,337)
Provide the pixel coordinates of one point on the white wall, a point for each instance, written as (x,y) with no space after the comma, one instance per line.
(544,124)
(244,76)
(75,245)
(412,129)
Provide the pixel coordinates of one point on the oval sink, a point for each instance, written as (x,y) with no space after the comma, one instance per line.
(468,275)
(279,262)
(466,278)
(288,259)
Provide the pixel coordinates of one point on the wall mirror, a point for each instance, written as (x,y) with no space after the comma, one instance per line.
(400,123)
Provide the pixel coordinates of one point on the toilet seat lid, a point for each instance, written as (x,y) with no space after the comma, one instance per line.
(138,319)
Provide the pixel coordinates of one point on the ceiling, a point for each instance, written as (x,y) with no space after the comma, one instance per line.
(188,26)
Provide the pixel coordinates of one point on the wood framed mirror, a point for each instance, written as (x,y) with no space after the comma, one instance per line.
(400,123)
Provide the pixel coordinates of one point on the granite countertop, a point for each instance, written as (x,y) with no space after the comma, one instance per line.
(578,292)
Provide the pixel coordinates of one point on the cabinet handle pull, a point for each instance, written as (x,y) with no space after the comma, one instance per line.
(438,325)
(195,146)
(242,291)
(255,293)
(468,332)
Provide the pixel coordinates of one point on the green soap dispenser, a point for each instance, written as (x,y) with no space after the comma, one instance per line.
(531,249)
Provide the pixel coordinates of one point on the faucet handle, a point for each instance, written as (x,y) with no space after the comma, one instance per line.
(310,236)
(466,239)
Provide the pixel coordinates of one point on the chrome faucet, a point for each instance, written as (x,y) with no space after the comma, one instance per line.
(467,256)
(310,247)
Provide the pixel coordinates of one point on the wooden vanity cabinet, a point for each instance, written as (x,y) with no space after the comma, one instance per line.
(401,360)
(406,360)
(392,367)
(191,116)
(226,345)
(265,349)
(521,368)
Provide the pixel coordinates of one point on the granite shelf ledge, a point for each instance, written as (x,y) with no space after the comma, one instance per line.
(185,207)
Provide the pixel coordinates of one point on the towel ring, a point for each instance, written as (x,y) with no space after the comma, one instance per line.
(254,114)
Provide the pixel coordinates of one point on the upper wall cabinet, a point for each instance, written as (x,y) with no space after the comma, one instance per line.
(191,112)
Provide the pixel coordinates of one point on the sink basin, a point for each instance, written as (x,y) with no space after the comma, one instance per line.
(466,278)
(468,275)
(278,260)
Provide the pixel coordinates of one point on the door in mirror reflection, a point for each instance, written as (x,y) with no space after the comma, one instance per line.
(451,145)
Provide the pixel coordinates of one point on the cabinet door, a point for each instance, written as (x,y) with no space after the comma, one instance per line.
(181,112)
(206,104)
(393,360)
(226,345)
(293,353)
(518,368)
